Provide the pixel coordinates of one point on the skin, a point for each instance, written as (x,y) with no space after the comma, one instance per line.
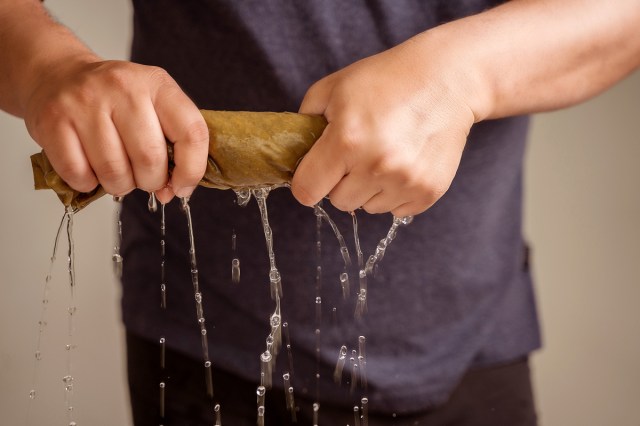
(398,120)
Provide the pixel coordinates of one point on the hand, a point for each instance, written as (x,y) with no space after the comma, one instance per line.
(106,121)
(398,122)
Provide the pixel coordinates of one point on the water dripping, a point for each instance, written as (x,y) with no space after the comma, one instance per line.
(318,311)
(354,371)
(274,339)
(344,284)
(287,337)
(198,296)
(292,403)
(235,270)
(316,412)
(356,415)
(68,379)
(162,352)
(163,252)
(266,371)
(365,411)
(361,304)
(288,392)
(384,243)
(344,251)
(116,257)
(356,238)
(152,204)
(342,357)
(162,387)
(362,362)
(216,410)
(235,262)
(244,196)
(361,346)
(261,416)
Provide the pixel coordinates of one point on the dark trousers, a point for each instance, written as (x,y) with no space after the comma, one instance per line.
(495,396)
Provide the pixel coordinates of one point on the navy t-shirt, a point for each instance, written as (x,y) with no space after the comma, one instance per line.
(453,291)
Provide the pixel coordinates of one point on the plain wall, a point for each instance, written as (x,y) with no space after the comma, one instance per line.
(582,211)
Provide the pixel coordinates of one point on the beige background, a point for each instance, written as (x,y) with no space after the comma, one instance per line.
(582,211)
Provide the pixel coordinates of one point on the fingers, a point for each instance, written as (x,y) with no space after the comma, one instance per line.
(183,125)
(319,171)
(144,143)
(353,192)
(106,153)
(68,158)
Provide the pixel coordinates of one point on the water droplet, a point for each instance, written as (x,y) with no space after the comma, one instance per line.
(275,320)
(38,355)
(244,196)
(162,385)
(235,271)
(203,331)
(198,297)
(32,394)
(162,340)
(152,204)
(207,364)
(406,220)
(72,310)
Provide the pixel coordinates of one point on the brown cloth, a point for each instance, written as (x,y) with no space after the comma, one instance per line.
(246,150)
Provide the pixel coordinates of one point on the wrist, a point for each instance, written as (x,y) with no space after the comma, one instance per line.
(454,59)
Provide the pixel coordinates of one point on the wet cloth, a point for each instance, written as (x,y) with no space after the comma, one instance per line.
(453,291)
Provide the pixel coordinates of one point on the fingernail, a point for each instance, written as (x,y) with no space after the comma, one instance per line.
(185,191)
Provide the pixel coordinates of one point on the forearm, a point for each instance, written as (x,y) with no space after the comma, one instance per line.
(31,45)
(538,55)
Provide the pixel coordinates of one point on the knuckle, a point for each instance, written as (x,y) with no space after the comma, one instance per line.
(350,139)
(159,77)
(150,158)
(76,177)
(113,176)
(432,190)
(196,134)
(118,77)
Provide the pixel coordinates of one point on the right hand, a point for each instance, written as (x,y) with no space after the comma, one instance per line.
(105,122)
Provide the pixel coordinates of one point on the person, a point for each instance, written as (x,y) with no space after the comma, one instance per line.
(426,101)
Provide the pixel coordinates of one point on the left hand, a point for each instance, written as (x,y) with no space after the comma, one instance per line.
(397,126)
